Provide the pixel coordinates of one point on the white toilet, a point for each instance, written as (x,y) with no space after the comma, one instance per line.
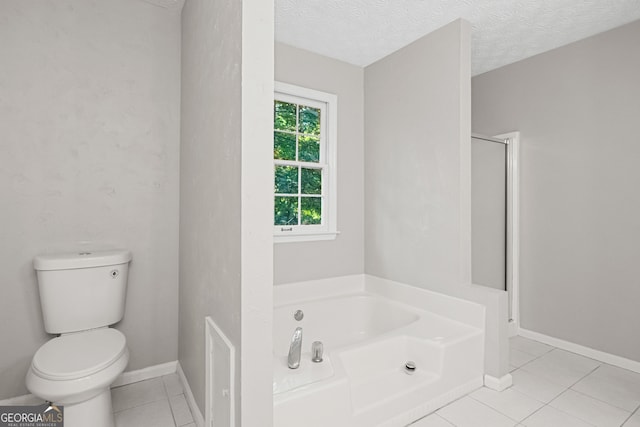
(81,294)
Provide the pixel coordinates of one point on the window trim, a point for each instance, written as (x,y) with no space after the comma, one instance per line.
(327,231)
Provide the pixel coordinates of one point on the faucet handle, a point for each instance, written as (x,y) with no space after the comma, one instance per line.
(293,359)
(316,351)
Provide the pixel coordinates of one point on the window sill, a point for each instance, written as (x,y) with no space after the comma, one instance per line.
(305,237)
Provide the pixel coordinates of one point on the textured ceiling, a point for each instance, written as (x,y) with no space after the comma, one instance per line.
(503,31)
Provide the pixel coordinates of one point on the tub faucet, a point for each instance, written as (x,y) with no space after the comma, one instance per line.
(293,360)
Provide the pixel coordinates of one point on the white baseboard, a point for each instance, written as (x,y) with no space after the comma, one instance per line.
(601,356)
(498,384)
(191,401)
(123,379)
(145,373)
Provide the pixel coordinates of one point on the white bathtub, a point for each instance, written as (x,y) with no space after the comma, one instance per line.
(370,328)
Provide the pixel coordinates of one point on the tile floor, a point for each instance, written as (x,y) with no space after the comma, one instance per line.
(158,402)
(551,388)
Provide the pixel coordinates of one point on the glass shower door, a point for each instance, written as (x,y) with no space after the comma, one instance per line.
(489,212)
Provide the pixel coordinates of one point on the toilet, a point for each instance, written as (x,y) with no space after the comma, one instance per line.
(81,295)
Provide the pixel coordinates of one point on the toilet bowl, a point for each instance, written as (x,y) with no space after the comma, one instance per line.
(76,371)
(81,295)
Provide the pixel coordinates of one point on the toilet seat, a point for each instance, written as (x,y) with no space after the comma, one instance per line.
(79,355)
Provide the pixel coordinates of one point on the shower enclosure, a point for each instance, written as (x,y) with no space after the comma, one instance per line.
(494,215)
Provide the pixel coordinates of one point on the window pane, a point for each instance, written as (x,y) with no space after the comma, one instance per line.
(284,116)
(284,146)
(286,211)
(286,180)
(309,149)
(311,181)
(309,120)
(311,210)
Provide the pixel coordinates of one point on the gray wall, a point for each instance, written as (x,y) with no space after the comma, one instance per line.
(344,255)
(417,155)
(226,179)
(418,175)
(577,109)
(89,145)
(210,159)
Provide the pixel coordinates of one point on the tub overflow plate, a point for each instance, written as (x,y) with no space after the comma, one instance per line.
(410,367)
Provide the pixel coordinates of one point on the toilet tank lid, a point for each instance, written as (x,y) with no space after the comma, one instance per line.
(88,259)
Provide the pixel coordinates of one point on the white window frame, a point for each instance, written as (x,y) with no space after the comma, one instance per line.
(328,104)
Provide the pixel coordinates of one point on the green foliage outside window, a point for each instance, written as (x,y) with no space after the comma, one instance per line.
(298,188)
(286,211)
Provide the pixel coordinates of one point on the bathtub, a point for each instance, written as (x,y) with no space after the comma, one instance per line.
(370,328)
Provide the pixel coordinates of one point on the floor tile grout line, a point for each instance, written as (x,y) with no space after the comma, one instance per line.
(141,405)
(528,361)
(544,404)
(567,351)
(576,391)
(445,420)
(164,386)
(536,398)
(567,387)
(533,354)
(519,392)
(524,351)
(536,357)
(600,364)
(531,414)
(630,416)
(450,403)
(145,403)
(491,407)
(559,394)
(173,414)
(168,399)
(585,376)
(543,379)
(189,409)
(564,412)
(593,397)
(600,400)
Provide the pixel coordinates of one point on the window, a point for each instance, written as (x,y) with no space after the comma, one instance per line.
(304,157)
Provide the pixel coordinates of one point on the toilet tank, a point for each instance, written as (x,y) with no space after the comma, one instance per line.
(82,290)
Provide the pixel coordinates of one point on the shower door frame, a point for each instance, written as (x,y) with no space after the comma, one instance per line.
(512,226)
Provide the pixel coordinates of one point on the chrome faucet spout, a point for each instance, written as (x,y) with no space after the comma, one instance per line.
(295,349)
